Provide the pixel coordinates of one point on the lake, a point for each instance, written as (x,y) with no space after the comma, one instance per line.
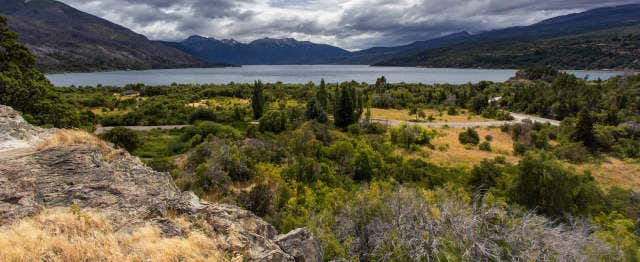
(295,74)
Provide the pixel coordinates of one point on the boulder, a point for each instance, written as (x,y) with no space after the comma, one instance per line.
(302,245)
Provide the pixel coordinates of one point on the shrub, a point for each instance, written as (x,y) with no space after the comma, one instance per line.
(469,137)
(546,185)
(485,146)
(258,200)
(408,135)
(573,152)
(274,121)
(123,138)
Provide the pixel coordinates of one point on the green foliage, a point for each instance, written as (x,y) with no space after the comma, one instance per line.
(274,121)
(27,90)
(408,135)
(537,73)
(485,146)
(368,162)
(258,100)
(348,106)
(258,200)
(584,130)
(469,137)
(545,185)
(123,137)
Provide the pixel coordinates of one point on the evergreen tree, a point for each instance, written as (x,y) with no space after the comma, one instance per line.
(322,96)
(584,130)
(257,100)
(27,90)
(344,112)
(21,85)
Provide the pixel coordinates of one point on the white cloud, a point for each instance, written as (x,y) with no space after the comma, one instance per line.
(351,24)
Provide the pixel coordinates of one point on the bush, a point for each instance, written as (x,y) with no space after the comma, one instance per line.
(375,128)
(573,152)
(544,184)
(408,135)
(485,146)
(469,137)
(123,138)
(274,121)
(258,200)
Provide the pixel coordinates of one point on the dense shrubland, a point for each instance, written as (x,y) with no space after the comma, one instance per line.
(307,155)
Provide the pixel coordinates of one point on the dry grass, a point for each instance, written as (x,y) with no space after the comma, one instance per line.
(63,235)
(449,151)
(403,115)
(220,102)
(101,111)
(66,137)
(614,172)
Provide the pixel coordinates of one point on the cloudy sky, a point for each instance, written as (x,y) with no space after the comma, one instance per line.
(350,24)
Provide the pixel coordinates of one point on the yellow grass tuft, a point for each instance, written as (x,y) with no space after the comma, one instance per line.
(71,137)
(64,235)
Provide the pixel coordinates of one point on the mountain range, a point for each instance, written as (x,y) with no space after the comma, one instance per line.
(66,39)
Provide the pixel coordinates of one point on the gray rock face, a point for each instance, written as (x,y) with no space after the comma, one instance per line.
(302,245)
(96,177)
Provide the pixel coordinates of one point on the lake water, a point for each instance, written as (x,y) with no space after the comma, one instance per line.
(295,74)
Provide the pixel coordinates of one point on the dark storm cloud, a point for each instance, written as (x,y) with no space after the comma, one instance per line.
(351,24)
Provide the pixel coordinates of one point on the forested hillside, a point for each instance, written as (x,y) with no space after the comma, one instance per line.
(607,49)
(66,39)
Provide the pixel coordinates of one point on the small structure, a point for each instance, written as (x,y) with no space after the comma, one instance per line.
(130,92)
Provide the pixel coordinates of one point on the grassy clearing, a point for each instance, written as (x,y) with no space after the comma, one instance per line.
(403,115)
(220,103)
(101,111)
(72,235)
(614,172)
(449,151)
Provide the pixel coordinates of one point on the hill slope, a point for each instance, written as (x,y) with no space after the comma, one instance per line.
(66,39)
(43,169)
(596,39)
(261,51)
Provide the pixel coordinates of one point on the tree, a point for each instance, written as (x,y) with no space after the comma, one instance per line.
(27,90)
(323,96)
(469,136)
(258,100)
(21,85)
(274,121)
(349,106)
(545,185)
(584,130)
(123,137)
(315,111)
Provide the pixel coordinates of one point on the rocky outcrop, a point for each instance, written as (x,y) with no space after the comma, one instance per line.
(91,175)
(302,245)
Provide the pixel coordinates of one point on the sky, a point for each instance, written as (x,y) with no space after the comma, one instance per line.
(350,24)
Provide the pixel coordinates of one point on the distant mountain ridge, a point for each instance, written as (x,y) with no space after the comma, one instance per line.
(66,39)
(261,51)
(603,38)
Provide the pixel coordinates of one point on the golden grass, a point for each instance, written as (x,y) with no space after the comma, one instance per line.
(66,137)
(219,102)
(63,235)
(101,111)
(449,151)
(403,115)
(614,172)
